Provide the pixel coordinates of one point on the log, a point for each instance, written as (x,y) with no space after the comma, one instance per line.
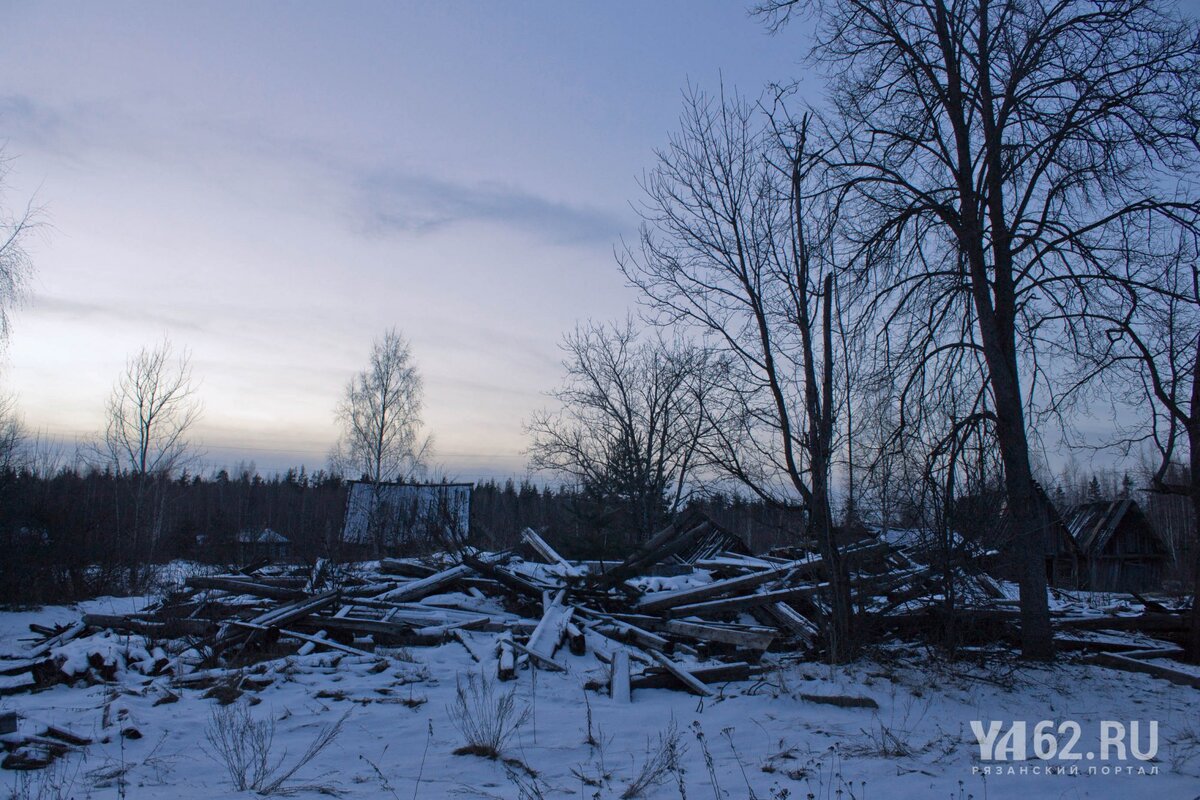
(72,631)
(313,640)
(312,643)
(840,700)
(405,569)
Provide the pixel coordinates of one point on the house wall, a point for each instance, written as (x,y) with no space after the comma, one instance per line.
(1133,560)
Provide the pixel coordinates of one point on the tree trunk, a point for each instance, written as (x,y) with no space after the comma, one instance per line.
(1193,430)
(1029,517)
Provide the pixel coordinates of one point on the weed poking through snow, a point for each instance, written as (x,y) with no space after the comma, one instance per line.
(487,719)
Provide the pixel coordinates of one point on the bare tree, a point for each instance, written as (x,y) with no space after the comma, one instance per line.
(1145,349)
(152,407)
(997,154)
(738,242)
(380,413)
(148,416)
(631,420)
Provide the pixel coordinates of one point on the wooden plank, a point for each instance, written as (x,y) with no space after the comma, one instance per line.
(659,601)
(1123,662)
(800,626)
(72,631)
(719,673)
(730,605)
(423,587)
(539,545)
(692,683)
(506,667)
(619,684)
(742,636)
(550,663)
(243,586)
(546,636)
(304,637)
(624,632)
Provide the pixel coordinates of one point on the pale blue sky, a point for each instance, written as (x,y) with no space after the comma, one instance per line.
(273,184)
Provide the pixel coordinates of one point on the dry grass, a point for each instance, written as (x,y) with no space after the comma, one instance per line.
(487,719)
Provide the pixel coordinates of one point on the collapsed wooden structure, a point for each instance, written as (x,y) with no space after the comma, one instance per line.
(685,610)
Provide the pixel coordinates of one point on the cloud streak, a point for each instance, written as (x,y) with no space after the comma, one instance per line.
(394,202)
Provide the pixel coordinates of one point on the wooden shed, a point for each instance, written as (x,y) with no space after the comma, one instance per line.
(268,544)
(1122,552)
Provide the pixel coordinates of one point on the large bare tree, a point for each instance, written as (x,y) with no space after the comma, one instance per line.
(738,243)
(996,154)
(631,420)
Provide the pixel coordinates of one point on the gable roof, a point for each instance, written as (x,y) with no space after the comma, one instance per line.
(1092,525)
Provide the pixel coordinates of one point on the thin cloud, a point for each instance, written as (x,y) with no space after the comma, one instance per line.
(77,311)
(394,202)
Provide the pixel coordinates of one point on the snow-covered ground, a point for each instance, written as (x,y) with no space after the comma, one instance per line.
(755,739)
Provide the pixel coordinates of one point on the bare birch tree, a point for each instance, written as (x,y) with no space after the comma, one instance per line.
(997,153)
(380,414)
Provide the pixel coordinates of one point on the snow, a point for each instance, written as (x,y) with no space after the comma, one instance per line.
(762,737)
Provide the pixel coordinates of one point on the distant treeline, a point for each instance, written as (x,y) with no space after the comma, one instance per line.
(79,533)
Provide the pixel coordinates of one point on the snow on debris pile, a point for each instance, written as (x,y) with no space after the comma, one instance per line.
(617,628)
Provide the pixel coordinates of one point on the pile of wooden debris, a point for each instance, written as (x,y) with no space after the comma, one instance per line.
(687,609)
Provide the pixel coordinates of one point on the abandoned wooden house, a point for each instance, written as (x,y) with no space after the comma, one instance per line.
(1062,555)
(265,544)
(1121,551)
(388,518)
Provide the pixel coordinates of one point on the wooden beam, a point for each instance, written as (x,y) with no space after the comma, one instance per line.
(618,688)
(732,604)
(1124,662)
(659,601)
(692,683)
(243,586)
(423,587)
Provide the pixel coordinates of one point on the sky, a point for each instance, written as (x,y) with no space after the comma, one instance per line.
(272,185)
